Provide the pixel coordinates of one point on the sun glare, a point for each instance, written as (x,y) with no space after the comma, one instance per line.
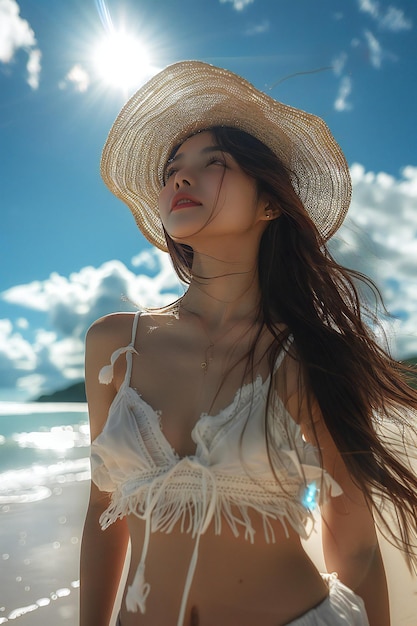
(122,61)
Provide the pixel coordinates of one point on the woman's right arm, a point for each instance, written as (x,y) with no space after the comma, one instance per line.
(102,559)
(102,552)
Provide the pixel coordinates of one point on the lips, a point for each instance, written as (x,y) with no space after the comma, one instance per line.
(183,201)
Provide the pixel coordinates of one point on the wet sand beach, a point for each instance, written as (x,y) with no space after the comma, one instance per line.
(39,551)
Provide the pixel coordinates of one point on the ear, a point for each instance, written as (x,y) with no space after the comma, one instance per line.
(270,213)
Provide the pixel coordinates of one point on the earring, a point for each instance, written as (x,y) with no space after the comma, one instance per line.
(267,216)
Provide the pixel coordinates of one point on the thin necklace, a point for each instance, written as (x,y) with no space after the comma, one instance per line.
(209,351)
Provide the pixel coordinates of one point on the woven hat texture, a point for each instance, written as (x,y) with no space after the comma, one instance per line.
(190,96)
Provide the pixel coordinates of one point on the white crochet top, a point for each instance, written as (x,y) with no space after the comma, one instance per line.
(228,475)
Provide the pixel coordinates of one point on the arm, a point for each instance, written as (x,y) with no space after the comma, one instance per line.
(102,552)
(102,559)
(350,542)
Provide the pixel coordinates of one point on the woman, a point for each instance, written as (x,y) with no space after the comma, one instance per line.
(219,423)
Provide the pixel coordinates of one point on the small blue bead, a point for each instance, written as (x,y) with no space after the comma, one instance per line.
(309,498)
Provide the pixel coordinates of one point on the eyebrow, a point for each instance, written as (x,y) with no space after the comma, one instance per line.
(203,151)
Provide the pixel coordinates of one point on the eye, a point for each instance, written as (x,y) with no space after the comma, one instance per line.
(216,160)
(170,171)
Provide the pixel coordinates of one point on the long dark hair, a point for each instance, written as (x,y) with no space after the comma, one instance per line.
(356,383)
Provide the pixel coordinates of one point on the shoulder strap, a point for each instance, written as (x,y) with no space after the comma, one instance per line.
(135,327)
(131,347)
(106,373)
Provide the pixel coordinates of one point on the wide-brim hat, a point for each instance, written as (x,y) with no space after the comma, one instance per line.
(190,96)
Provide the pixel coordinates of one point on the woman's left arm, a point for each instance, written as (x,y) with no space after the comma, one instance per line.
(350,542)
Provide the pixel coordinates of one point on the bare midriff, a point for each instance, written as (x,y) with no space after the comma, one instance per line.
(236,583)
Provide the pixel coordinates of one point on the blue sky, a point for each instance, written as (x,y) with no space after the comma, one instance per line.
(70,251)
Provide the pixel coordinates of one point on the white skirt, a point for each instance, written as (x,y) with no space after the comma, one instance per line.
(342,607)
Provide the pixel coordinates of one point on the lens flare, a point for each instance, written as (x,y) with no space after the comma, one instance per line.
(121,59)
(104,14)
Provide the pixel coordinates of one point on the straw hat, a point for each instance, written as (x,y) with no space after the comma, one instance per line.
(190,96)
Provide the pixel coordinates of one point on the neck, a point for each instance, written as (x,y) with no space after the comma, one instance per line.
(223,291)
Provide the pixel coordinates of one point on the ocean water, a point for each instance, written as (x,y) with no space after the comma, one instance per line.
(44,458)
(41,444)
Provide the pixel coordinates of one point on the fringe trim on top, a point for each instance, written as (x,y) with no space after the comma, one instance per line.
(194,495)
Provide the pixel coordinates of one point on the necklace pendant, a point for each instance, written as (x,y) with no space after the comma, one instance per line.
(209,357)
(205,364)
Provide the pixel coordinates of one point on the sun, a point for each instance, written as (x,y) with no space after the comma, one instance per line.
(122,60)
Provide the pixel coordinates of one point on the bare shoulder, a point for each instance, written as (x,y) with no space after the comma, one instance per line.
(104,336)
(115,329)
(111,329)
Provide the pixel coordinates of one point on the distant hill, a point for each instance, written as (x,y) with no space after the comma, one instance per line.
(73,393)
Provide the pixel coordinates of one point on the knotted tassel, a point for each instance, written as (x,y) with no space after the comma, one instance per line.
(138,591)
(105,375)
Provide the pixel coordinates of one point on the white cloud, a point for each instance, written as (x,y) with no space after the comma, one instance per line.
(78,77)
(146,259)
(395,21)
(375,49)
(22,323)
(17,355)
(258,29)
(67,356)
(339,62)
(29,366)
(16,34)
(345,89)
(392,19)
(369,6)
(238,4)
(34,68)
(71,305)
(379,238)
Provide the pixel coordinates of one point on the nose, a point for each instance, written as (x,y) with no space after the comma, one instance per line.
(182,182)
(183,178)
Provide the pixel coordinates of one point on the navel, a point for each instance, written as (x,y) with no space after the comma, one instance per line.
(194,616)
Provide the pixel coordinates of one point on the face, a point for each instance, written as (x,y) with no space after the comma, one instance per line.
(207,194)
